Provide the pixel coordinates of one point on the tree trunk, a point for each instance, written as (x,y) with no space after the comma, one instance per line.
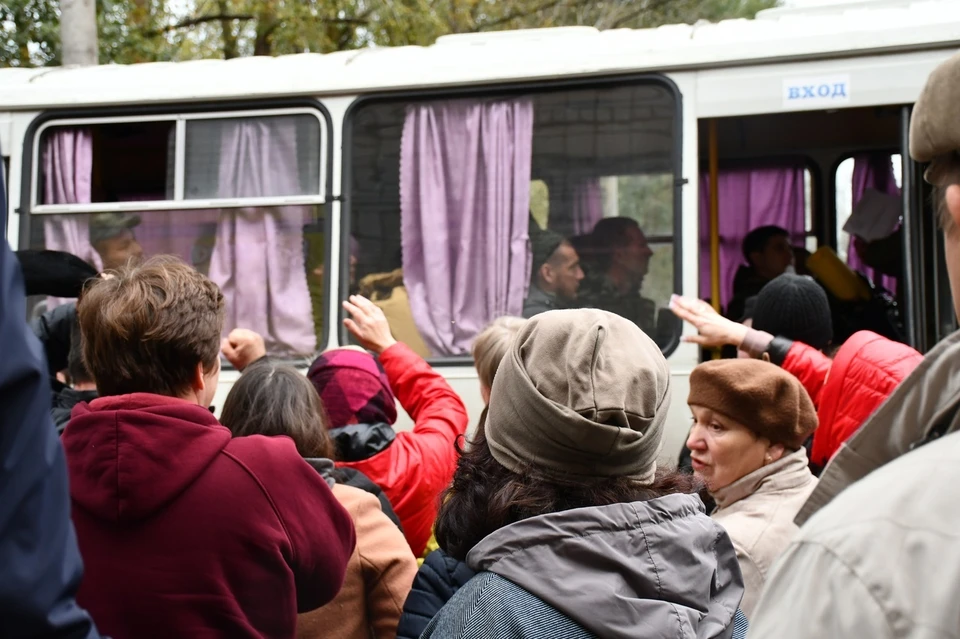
(230,48)
(78,32)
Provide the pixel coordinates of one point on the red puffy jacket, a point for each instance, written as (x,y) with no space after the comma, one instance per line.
(846,391)
(419,464)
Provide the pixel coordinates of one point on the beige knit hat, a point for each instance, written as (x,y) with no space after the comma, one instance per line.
(580,393)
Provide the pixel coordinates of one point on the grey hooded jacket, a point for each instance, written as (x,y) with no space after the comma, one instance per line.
(658,569)
(879,553)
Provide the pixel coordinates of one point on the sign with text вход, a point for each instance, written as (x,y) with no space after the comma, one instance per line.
(816,91)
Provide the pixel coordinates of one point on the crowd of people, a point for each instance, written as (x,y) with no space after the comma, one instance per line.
(812,498)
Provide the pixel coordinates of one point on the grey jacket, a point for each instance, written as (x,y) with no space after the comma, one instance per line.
(538,301)
(656,569)
(880,552)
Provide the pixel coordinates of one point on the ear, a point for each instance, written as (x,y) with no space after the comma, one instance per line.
(774,453)
(198,383)
(546,273)
(953,203)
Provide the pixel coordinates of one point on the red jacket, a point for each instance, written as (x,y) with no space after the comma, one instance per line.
(846,391)
(419,464)
(185,532)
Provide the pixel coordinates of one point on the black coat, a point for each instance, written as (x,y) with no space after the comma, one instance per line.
(438,579)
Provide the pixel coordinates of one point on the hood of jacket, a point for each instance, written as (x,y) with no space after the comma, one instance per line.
(866,369)
(129,456)
(655,569)
(357,442)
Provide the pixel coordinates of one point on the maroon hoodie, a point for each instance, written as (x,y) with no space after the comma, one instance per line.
(185,532)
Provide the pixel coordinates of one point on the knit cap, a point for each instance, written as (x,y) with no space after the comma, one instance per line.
(581,393)
(758,395)
(354,388)
(795,307)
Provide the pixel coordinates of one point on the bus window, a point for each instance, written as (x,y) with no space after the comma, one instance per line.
(239,198)
(882,172)
(448,191)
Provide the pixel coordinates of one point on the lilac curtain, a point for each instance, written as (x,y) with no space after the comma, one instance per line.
(465,171)
(749,198)
(258,257)
(872,171)
(587,205)
(67,179)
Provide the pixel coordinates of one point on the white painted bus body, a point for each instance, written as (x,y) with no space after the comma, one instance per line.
(880,55)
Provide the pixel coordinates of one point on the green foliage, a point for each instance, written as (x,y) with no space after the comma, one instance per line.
(147,30)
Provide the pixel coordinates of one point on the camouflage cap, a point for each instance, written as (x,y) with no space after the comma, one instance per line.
(104,226)
(935,125)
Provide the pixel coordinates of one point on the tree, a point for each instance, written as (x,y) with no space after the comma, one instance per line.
(145,30)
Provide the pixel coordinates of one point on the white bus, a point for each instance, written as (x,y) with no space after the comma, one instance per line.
(295,179)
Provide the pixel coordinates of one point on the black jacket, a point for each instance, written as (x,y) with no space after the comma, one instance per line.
(353,477)
(439,578)
(63,403)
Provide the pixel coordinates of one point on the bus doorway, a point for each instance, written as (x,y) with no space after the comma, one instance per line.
(808,172)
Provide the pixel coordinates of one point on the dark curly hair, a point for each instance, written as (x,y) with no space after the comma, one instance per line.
(485,496)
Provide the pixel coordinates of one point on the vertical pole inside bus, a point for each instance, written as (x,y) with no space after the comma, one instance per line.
(714,224)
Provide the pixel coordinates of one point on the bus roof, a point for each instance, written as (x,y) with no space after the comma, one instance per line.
(848,29)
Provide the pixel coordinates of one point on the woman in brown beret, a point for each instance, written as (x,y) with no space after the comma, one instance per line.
(750,419)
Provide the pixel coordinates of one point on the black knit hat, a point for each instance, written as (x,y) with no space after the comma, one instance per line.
(795,307)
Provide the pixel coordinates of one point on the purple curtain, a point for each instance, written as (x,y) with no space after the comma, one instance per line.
(67,179)
(749,198)
(873,171)
(258,257)
(587,205)
(464,199)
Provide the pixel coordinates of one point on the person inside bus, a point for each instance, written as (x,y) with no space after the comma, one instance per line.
(112,236)
(556,273)
(559,507)
(880,558)
(441,575)
(272,398)
(750,419)
(615,279)
(360,390)
(186,532)
(768,253)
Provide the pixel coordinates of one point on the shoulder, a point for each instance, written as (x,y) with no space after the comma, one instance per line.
(356,500)
(489,605)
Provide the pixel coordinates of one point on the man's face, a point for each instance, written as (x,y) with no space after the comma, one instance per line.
(635,256)
(776,256)
(562,273)
(117,250)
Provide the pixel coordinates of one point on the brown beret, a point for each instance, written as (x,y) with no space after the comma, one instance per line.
(757,394)
(934,130)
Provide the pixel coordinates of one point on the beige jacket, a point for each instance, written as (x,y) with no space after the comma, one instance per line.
(757,512)
(379,576)
(880,553)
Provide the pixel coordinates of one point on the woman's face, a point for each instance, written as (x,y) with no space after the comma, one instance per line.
(723,451)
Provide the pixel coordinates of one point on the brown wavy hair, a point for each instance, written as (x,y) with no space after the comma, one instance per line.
(146,328)
(485,496)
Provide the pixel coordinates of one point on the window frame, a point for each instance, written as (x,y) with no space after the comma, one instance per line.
(504,90)
(180,120)
(30,161)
